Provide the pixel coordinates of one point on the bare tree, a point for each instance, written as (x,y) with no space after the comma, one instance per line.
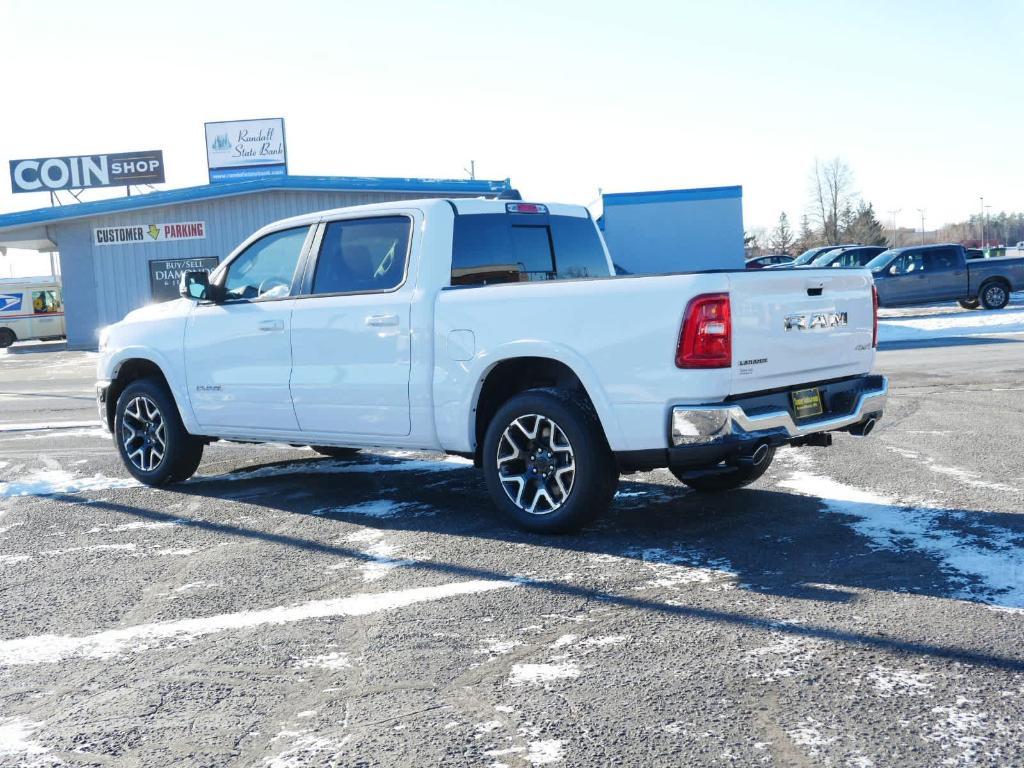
(831,194)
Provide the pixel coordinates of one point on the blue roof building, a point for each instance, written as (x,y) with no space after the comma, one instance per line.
(110,250)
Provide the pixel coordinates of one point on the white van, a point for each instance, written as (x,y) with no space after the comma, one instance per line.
(30,308)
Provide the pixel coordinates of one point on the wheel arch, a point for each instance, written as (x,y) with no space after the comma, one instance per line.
(131,369)
(510,375)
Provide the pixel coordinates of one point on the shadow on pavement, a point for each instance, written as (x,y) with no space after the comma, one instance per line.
(776,543)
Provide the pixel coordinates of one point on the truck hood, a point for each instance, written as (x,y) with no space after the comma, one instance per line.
(161,310)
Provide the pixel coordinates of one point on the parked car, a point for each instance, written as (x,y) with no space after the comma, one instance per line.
(921,274)
(30,308)
(493,330)
(807,256)
(760,262)
(847,257)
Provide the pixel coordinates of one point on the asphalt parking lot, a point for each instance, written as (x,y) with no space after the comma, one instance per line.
(857,606)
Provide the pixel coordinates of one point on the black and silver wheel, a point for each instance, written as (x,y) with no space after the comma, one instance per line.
(152,441)
(546,461)
(994,295)
(727,477)
(7,337)
(334,451)
(969,303)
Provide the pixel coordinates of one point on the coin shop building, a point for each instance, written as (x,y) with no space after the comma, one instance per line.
(120,254)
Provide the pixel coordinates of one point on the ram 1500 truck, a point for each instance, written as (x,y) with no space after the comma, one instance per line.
(494,330)
(917,275)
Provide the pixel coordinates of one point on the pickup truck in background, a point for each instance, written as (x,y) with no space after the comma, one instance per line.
(498,331)
(928,273)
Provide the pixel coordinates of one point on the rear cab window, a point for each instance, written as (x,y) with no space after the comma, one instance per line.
(509,247)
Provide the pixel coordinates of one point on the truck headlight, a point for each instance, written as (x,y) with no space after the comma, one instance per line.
(104,337)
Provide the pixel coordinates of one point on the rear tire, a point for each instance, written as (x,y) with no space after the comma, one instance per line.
(727,479)
(7,337)
(969,303)
(154,444)
(335,452)
(994,295)
(547,463)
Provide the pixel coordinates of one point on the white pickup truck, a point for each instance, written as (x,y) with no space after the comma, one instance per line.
(495,330)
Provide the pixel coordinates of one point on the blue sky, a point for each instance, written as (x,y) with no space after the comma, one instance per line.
(922,99)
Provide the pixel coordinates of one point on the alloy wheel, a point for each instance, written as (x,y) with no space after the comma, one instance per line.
(143,434)
(536,464)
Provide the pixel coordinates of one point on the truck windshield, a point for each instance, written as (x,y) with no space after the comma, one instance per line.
(503,248)
(806,257)
(881,259)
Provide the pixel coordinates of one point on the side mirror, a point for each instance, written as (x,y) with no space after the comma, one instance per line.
(893,270)
(195,285)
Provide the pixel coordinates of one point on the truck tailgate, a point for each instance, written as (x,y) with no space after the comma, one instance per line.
(798,326)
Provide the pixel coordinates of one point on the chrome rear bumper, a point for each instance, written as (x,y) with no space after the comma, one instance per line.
(711,424)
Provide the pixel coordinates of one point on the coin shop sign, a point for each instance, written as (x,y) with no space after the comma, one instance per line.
(122,169)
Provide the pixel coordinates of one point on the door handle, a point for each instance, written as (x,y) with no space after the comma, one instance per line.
(272,325)
(381,320)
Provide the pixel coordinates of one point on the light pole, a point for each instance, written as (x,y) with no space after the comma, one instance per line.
(982,198)
(893,213)
(922,211)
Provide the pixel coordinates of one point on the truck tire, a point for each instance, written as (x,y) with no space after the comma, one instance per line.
(969,303)
(334,451)
(725,479)
(7,337)
(994,294)
(547,463)
(154,445)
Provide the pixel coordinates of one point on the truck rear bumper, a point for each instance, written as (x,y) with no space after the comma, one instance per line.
(846,403)
(703,435)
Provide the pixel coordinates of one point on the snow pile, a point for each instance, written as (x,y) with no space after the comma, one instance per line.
(925,324)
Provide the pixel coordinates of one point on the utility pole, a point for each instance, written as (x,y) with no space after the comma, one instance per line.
(893,213)
(922,211)
(471,170)
(982,198)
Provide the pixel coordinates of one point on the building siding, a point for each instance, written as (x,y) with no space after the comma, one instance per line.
(104,283)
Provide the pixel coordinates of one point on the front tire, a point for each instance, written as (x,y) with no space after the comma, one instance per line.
(727,479)
(547,463)
(994,295)
(969,303)
(154,445)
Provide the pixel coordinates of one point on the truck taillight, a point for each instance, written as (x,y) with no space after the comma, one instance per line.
(705,340)
(874,320)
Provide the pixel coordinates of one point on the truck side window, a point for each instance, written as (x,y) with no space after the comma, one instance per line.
(942,259)
(265,269)
(497,248)
(363,255)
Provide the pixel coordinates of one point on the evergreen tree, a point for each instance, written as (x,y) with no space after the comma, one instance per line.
(864,227)
(782,236)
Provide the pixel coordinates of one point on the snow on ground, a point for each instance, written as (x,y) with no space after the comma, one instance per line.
(15,741)
(48,482)
(949,320)
(987,562)
(543,673)
(42,649)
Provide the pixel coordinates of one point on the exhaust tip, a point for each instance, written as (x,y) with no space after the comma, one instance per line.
(864,428)
(759,454)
